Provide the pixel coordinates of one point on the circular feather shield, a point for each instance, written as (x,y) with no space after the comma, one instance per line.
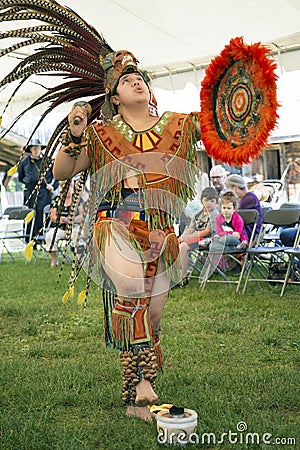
(238,103)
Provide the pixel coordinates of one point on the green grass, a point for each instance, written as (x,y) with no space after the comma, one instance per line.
(231,358)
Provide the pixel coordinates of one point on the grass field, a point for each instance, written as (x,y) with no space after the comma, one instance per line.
(231,358)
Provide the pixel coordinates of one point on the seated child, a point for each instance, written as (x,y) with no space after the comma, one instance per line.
(230,235)
(201,228)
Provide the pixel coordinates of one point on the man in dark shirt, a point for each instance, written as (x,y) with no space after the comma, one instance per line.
(28,171)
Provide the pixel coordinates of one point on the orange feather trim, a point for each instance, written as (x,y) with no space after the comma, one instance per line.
(238,102)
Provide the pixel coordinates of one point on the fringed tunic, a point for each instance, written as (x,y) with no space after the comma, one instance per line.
(163,158)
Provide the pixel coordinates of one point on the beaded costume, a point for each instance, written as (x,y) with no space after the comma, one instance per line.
(157,155)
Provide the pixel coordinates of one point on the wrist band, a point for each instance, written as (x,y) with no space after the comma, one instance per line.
(72,148)
(75,139)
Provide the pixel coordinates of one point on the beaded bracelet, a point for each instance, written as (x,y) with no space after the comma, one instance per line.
(75,139)
(72,148)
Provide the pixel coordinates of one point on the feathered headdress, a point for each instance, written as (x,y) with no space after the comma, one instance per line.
(70,48)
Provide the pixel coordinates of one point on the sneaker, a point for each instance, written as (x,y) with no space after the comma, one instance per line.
(204,243)
(242,247)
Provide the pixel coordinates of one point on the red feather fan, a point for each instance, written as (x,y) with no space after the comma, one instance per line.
(238,102)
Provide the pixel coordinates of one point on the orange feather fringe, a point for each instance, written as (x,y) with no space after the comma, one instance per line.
(265,78)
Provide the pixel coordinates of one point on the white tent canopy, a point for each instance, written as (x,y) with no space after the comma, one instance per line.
(175,40)
(176,35)
(173,36)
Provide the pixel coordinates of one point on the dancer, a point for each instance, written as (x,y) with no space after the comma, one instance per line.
(137,245)
(142,167)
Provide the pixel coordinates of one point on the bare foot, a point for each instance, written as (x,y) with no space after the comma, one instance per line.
(142,413)
(145,394)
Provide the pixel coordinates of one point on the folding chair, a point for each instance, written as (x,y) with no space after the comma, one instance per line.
(258,259)
(273,235)
(292,275)
(10,209)
(290,205)
(14,230)
(202,261)
(265,209)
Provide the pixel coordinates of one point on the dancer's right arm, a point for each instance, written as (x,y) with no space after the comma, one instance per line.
(66,166)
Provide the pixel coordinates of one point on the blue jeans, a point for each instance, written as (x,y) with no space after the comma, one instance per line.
(287,236)
(224,243)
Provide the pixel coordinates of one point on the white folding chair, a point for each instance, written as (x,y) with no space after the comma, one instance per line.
(14,232)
